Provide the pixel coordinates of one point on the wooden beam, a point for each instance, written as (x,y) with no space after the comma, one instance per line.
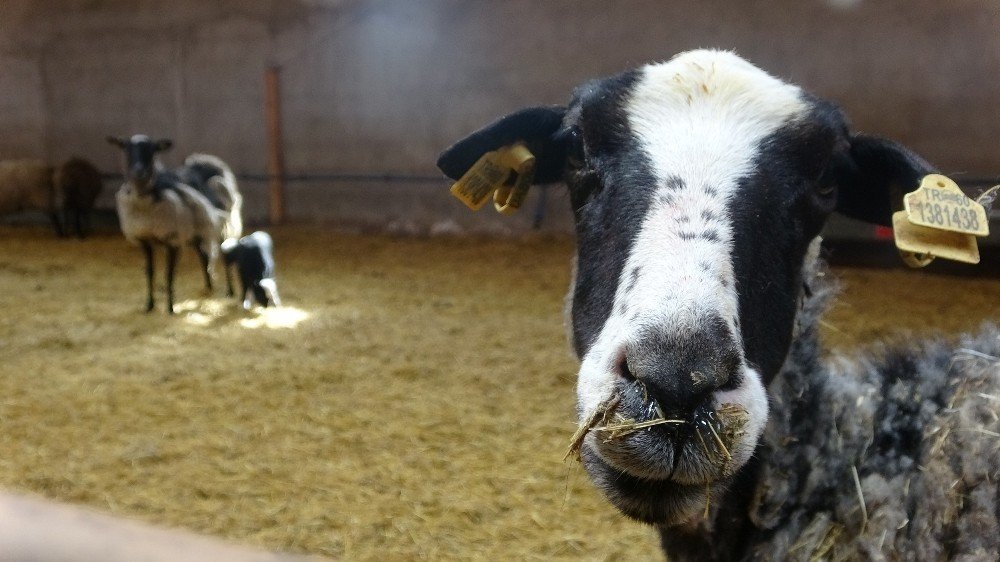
(275,146)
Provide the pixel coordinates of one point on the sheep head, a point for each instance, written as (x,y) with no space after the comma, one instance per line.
(698,187)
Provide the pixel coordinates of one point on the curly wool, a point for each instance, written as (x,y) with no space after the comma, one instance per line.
(893,454)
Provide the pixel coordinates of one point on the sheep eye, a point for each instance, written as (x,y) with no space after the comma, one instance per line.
(575,155)
(826,189)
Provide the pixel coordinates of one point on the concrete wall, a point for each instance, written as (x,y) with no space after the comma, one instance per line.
(382,86)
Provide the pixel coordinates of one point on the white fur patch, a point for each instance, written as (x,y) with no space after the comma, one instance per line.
(700,118)
(271,288)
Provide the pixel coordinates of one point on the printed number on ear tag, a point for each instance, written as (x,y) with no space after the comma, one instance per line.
(940,204)
(940,221)
(505,173)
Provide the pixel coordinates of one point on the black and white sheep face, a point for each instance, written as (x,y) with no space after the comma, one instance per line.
(140,156)
(698,186)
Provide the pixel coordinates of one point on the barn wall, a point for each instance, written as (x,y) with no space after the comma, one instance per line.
(379,87)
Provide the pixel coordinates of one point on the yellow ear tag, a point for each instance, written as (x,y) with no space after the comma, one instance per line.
(940,221)
(939,203)
(509,197)
(919,245)
(506,173)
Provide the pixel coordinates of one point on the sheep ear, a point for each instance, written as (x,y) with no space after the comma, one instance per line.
(117,141)
(873,178)
(534,126)
(163,144)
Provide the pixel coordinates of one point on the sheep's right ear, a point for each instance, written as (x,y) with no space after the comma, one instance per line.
(163,144)
(117,141)
(536,127)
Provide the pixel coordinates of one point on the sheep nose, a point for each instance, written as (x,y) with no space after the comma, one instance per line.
(681,370)
(140,172)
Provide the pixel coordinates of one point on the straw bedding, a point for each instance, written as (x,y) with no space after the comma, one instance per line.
(413,400)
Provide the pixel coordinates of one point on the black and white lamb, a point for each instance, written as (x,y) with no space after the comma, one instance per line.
(699,187)
(158,207)
(253,257)
(26,185)
(78,183)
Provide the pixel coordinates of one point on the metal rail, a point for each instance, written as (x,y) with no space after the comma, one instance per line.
(414,178)
(328,177)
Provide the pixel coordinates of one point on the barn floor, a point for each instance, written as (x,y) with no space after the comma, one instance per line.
(413,400)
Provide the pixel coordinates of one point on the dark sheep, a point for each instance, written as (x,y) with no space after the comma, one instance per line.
(79,183)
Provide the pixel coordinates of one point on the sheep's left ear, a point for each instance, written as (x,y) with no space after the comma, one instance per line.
(534,126)
(873,178)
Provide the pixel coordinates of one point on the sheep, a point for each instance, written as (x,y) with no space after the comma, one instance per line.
(26,185)
(79,183)
(253,256)
(699,187)
(156,207)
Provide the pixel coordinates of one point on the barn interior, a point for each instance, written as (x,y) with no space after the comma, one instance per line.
(413,397)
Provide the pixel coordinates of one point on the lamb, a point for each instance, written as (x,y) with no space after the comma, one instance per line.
(79,183)
(253,256)
(26,185)
(156,207)
(699,188)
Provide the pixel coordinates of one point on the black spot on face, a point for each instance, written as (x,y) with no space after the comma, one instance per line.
(683,219)
(674,183)
(708,215)
(711,191)
(633,278)
(687,236)
(711,235)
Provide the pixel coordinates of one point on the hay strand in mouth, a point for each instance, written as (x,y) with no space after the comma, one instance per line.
(597,417)
(628,426)
(718,441)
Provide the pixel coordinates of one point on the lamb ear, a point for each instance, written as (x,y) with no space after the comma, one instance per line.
(872,180)
(534,126)
(117,141)
(164,144)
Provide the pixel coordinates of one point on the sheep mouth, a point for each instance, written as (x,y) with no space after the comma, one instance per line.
(652,501)
(655,467)
(631,434)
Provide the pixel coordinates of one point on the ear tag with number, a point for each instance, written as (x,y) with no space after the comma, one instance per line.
(940,221)
(939,203)
(506,173)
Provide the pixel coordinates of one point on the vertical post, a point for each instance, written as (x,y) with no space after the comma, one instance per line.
(275,148)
